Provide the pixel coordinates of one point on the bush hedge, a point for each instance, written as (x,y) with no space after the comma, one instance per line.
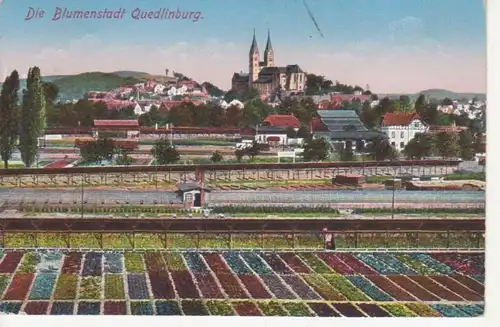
(332,210)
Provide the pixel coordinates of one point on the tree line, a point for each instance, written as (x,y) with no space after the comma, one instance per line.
(22,122)
(464,145)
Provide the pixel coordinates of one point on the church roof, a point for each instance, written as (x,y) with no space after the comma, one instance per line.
(269,46)
(254,48)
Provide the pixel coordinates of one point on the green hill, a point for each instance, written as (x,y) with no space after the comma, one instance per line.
(74,86)
(440,94)
(144,76)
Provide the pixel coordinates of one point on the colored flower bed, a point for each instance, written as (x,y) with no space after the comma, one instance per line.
(297,309)
(323,288)
(336,264)
(43,286)
(137,286)
(219,308)
(254,261)
(113,288)
(448,310)
(168,308)
(472,310)
(369,288)
(422,310)
(458,288)
(113,262)
(378,265)
(272,308)
(316,264)
(398,310)
(90,288)
(243,283)
(416,265)
(343,285)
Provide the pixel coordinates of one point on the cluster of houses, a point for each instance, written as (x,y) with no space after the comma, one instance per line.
(472,108)
(164,95)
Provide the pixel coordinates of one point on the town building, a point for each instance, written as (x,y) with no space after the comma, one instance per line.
(265,76)
(284,121)
(342,128)
(401,128)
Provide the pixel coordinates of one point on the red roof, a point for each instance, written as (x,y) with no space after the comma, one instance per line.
(317,125)
(273,138)
(282,121)
(116,123)
(399,118)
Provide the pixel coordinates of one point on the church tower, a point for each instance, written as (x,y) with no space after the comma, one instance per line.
(254,59)
(269,53)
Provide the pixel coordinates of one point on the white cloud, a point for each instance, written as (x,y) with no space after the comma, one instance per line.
(386,67)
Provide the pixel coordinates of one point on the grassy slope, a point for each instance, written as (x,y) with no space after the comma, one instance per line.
(74,86)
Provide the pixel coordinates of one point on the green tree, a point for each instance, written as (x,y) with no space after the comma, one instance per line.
(231,95)
(380,149)
(420,104)
(96,151)
(123,158)
(347,153)
(421,146)
(369,116)
(405,103)
(304,132)
(51,92)
(32,117)
(253,151)
(255,111)
(239,154)
(447,102)
(447,144)
(216,157)
(181,115)
(249,95)
(315,149)
(479,143)
(317,85)
(466,145)
(9,117)
(234,116)
(291,133)
(216,116)
(164,152)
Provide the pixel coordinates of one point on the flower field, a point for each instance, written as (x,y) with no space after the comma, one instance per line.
(245,283)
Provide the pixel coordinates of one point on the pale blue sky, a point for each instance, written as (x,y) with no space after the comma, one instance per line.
(363,39)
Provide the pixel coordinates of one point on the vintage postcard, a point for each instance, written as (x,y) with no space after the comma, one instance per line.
(302,158)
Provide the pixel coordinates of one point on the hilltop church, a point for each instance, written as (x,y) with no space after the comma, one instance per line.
(265,76)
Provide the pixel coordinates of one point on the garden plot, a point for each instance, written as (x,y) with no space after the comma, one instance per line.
(245,283)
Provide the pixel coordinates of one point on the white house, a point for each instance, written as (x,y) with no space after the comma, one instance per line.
(141,109)
(401,128)
(177,91)
(159,88)
(271,135)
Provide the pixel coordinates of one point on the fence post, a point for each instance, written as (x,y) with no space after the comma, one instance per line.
(356,240)
(447,239)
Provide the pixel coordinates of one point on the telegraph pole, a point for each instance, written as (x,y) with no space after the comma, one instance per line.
(393,195)
(82,196)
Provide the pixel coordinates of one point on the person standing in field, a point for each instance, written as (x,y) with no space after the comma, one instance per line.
(329,240)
